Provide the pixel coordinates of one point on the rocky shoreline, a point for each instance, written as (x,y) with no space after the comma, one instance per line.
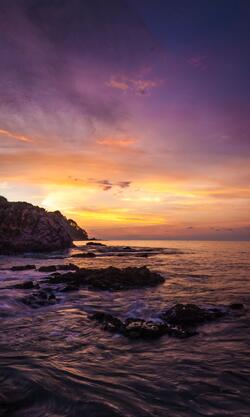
(28,228)
(179,320)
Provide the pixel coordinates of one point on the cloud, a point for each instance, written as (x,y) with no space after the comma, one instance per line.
(133,85)
(8,134)
(126,142)
(124,184)
(107,184)
(199,62)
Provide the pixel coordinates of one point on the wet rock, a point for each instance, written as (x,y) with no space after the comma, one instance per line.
(135,328)
(190,315)
(50,268)
(179,321)
(22,267)
(236,306)
(113,279)
(40,298)
(67,267)
(63,267)
(27,285)
(138,328)
(84,255)
(108,322)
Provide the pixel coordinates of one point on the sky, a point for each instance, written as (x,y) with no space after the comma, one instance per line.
(129,116)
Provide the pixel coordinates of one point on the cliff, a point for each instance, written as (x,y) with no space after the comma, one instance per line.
(24,227)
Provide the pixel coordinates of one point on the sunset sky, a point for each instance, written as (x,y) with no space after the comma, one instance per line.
(129,116)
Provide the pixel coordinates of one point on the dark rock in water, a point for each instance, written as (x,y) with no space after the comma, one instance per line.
(236,306)
(84,255)
(113,279)
(67,267)
(138,328)
(50,268)
(108,322)
(40,298)
(27,285)
(22,267)
(190,315)
(134,328)
(53,268)
(69,288)
(179,321)
(24,227)
(95,244)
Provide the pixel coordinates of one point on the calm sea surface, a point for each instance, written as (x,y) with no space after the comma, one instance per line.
(55,362)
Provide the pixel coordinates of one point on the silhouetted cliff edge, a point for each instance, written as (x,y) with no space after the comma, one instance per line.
(24,227)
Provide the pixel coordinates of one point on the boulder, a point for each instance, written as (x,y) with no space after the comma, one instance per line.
(190,315)
(24,227)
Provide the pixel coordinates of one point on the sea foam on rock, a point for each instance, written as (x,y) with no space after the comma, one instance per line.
(180,321)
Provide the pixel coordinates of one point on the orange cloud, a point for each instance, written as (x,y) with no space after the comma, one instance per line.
(116,142)
(13,135)
(135,85)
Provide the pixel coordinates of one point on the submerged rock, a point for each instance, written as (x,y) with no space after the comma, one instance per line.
(84,255)
(40,298)
(27,285)
(22,267)
(111,278)
(24,227)
(70,287)
(236,306)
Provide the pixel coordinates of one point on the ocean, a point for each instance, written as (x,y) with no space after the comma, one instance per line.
(55,362)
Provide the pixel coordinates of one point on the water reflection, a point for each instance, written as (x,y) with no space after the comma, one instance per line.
(55,362)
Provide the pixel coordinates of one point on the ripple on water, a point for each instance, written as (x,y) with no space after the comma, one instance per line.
(55,362)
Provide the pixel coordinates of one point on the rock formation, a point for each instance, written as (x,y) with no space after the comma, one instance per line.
(24,227)
(111,278)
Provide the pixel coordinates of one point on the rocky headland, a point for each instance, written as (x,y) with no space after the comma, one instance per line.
(24,227)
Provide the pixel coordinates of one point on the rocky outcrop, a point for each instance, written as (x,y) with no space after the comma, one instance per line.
(75,231)
(24,227)
(111,278)
(180,321)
